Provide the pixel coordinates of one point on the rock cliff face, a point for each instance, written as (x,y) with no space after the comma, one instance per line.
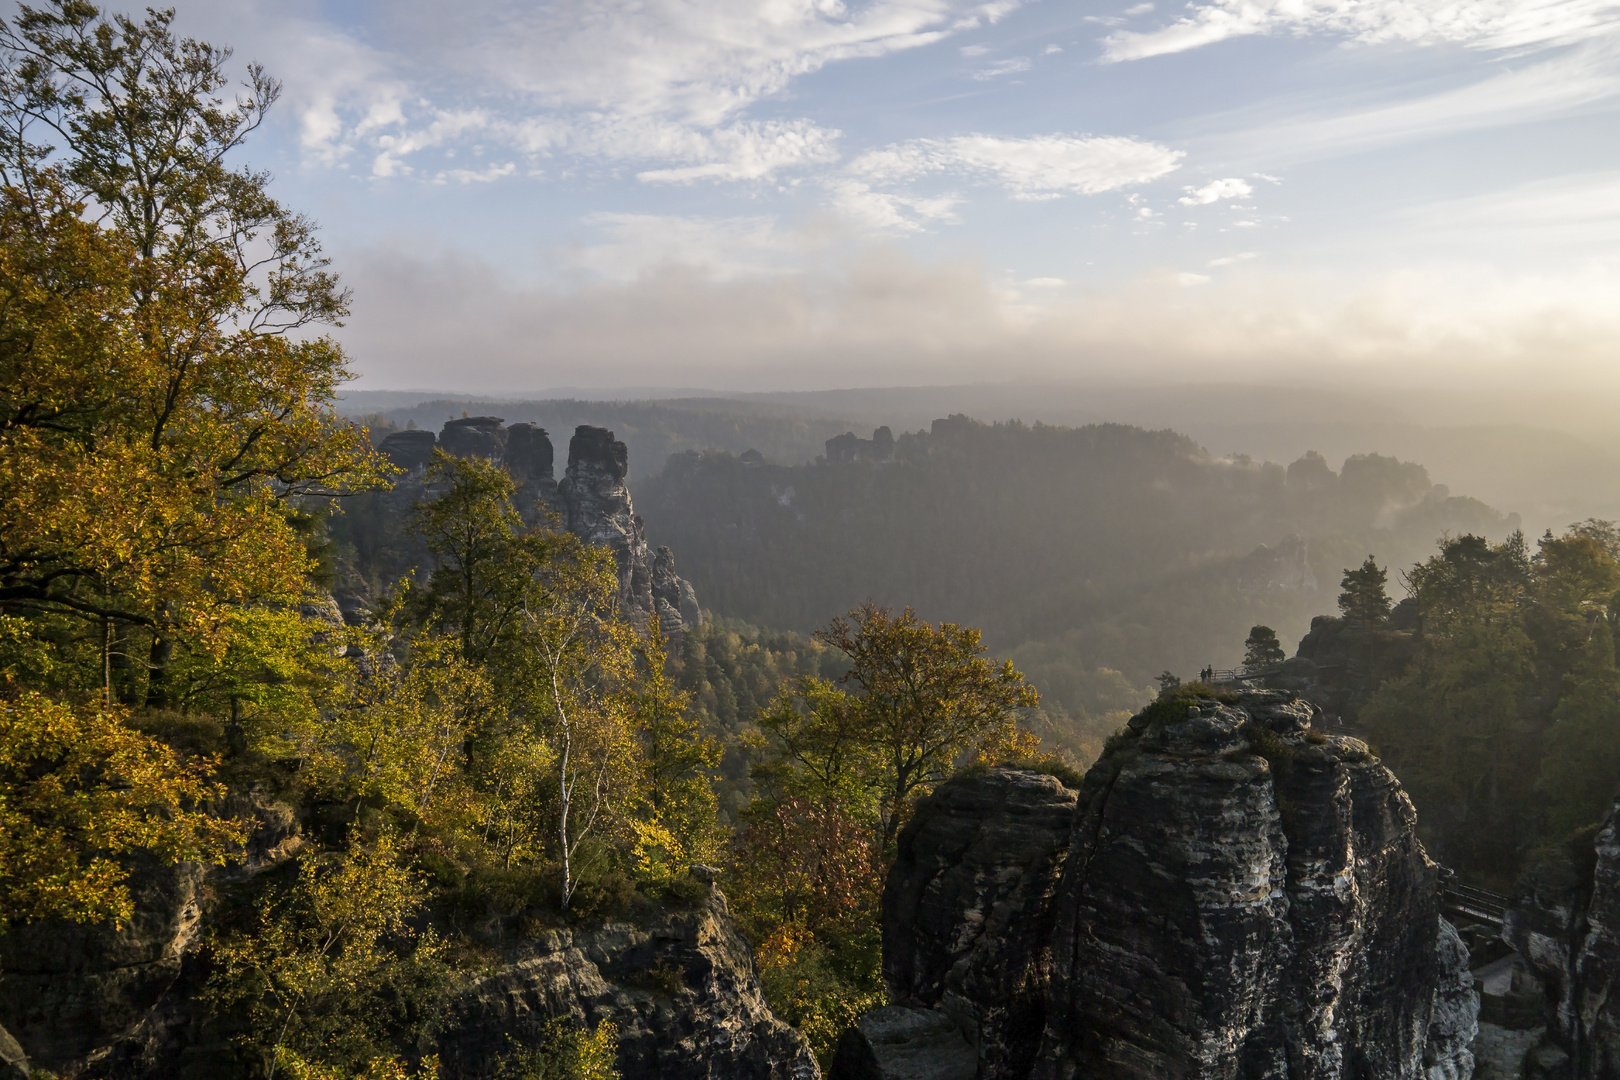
(680,988)
(1565,924)
(596,507)
(681,991)
(592,501)
(1234,895)
(968,908)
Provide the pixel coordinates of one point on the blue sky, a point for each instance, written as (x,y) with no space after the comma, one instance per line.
(753,194)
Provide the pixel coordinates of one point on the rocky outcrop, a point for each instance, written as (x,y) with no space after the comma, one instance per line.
(1243,896)
(1240,896)
(592,501)
(410,450)
(1340,663)
(1565,924)
(596,507)
(848,448)
(968,907)
(680,990)
(1454,1024)
(119,1001)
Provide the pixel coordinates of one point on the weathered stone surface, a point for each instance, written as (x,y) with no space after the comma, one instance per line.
(70,995)
(1565,924)
(474,436)
(13,1062)
(967,911)
(528,456)
(596,507)
(896,1042)
(410,450)
(681,990)
(1242,897)
(1454,1023)
(1499,1052)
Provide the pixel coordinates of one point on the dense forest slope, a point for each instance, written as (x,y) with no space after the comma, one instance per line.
(1097,556)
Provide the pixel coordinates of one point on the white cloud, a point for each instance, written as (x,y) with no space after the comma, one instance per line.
(750,151)
(1229,260)
(971,51)
(697,62)
(1569,211)
(1051,50)
(1138,9)
(890,211)
(476,176)
(1039,167)
(1003,67)
(880,318)
(1215,191)
(1479,24)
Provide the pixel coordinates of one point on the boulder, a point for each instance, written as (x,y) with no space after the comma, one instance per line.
(681,990)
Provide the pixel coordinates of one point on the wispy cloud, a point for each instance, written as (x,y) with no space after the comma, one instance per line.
(1581,78)
(1039,167)
(1478,24)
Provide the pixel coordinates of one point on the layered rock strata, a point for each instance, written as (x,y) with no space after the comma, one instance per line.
(1565,924)
(1234,894)
(681,992)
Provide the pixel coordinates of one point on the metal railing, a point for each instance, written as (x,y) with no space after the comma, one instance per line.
(1465,901)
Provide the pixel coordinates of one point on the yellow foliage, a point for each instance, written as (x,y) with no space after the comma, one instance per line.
(78,788)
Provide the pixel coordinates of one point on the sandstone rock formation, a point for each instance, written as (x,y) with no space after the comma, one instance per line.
(896,1042)
(848,448)
(596,507)
(592,501)
(1239,896)
(968,908)
(680,988)
(118,1001)
(1565,924)
(681,991)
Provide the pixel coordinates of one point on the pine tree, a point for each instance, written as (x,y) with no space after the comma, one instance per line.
(1364,599)
(1262,650)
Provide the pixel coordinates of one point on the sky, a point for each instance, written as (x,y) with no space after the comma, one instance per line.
(805,194)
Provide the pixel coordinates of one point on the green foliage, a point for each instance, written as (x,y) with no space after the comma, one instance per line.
(1364,599)
(1262,650)
(79,791)
(332,969)
(565,1052)
(1503,728)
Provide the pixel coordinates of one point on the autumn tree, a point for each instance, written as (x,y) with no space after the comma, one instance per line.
(916,700)
(164,404)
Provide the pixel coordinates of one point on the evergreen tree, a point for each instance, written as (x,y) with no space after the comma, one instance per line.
(1364,599)
(1262,650)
